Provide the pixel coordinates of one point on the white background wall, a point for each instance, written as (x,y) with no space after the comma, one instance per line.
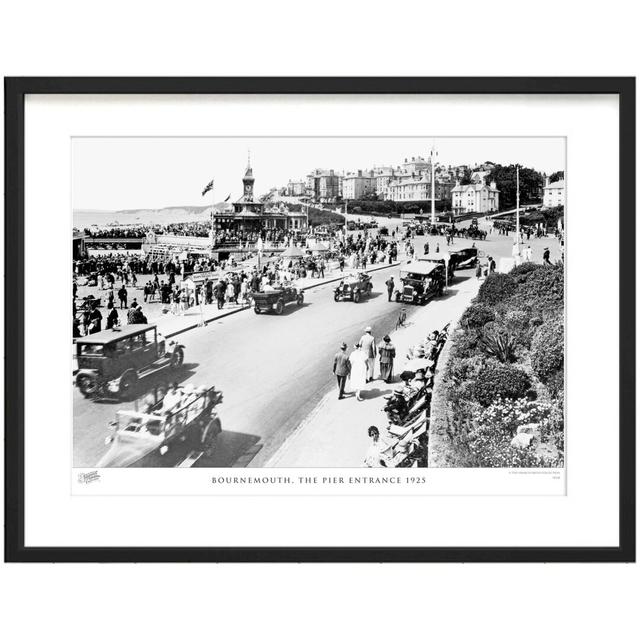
(204,38)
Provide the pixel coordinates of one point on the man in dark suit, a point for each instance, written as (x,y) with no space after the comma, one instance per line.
(390,287)
(341,369)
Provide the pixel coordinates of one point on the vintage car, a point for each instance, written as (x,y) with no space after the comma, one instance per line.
(353,287)
(420,282)
(464,258)
(437,258)
(276,299)
(112,361)
(139,438)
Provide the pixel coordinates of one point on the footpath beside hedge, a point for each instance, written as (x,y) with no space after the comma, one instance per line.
(498,398)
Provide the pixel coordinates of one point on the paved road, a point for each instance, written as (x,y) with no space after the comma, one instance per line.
(272,370)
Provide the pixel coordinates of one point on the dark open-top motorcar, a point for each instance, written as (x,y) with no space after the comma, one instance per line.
(420,282)
(464,258)
(275,299)
(353,287)
(112,361)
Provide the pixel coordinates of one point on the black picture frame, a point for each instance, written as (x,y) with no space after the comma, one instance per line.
(15,91)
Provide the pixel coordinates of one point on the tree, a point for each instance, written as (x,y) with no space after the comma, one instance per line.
(558,175)
(531,183)
(466,176)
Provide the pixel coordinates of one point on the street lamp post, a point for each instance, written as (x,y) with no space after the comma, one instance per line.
(518,211)
(344,231)
(433,189)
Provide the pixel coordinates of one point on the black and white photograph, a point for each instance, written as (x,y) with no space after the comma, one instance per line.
(294,312)
(318,302)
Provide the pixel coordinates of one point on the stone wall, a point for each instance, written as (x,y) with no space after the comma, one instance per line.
(441,450)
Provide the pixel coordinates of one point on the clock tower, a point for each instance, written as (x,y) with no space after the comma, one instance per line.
(247,203)
(248,181)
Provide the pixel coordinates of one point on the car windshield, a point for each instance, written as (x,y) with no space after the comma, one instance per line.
(141,424)
(91,349)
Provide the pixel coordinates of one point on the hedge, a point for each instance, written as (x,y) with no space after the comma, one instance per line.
(476,316)
(547,350)
(542,288)
(499,380)
(497,288)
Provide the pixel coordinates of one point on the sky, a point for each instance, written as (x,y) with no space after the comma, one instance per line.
(151,173)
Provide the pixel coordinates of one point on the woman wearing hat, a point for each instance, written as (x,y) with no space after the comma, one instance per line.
(379,450)
(387,353)
(358,362)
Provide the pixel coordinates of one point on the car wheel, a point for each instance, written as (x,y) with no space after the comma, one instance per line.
(256,310)
(208,434)
(336,297)
(88,385)
(177,358)
(356,296)
(128,384)
(279,307)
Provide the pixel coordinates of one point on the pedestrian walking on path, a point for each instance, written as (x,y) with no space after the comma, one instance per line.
(358,373)
(390,287)
(341,369)
(122,296)
(368,345)
(387,353)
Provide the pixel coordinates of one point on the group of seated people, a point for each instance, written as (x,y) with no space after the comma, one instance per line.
(175,399)
(406,407)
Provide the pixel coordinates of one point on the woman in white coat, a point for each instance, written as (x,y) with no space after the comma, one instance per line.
(358,374)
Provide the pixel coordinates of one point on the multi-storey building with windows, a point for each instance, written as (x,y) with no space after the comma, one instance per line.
(358,185)
(474,198)
(553,194)
(323,185)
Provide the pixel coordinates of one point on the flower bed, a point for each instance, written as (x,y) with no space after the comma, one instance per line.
(503,385)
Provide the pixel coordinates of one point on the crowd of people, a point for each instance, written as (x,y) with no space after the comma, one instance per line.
(172,282)
(527,231)
(197,229)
